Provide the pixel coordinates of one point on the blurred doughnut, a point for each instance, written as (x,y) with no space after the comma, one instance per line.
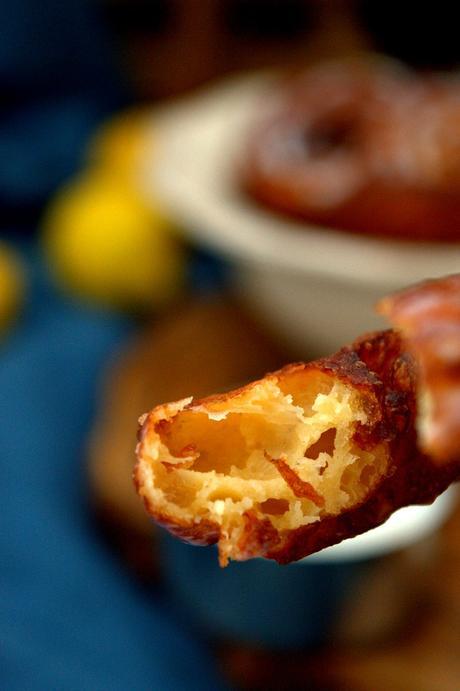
(363,146)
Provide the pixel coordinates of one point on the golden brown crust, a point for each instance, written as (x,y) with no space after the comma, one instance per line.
(387,395)
(387,370)
(203,533)
(414,481)
(410,477)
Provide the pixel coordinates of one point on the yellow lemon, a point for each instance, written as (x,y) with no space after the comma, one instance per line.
(12,285)
(105,244)
(119,142)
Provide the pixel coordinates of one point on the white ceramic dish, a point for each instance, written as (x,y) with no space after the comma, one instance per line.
(403,529)
(314,285)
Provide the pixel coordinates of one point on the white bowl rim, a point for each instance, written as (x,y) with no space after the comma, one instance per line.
(403,528)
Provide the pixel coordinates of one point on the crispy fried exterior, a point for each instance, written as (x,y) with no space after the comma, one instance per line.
(429,317)
(377,366)
(389,371)
(204,533)
(411,476)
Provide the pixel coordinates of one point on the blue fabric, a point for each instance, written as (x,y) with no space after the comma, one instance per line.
(55,46)
(42,145)
(59,79)
(70,618)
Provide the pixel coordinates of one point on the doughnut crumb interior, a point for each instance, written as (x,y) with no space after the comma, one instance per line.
(259,462)
(317,452)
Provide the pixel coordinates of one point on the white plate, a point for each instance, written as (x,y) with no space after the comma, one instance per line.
(404,528)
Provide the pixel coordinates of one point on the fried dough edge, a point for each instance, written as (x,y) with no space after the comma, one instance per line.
(377,366)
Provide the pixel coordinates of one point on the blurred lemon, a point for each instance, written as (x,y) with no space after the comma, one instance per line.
(12,285)
(119,142)
(104,244)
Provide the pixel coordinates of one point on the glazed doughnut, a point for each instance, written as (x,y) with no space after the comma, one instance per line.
(367,147)
(314,453)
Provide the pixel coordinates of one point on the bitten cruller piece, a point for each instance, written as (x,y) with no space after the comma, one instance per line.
(296,461)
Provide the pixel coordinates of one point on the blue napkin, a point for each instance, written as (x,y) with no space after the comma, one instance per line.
(71,619)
